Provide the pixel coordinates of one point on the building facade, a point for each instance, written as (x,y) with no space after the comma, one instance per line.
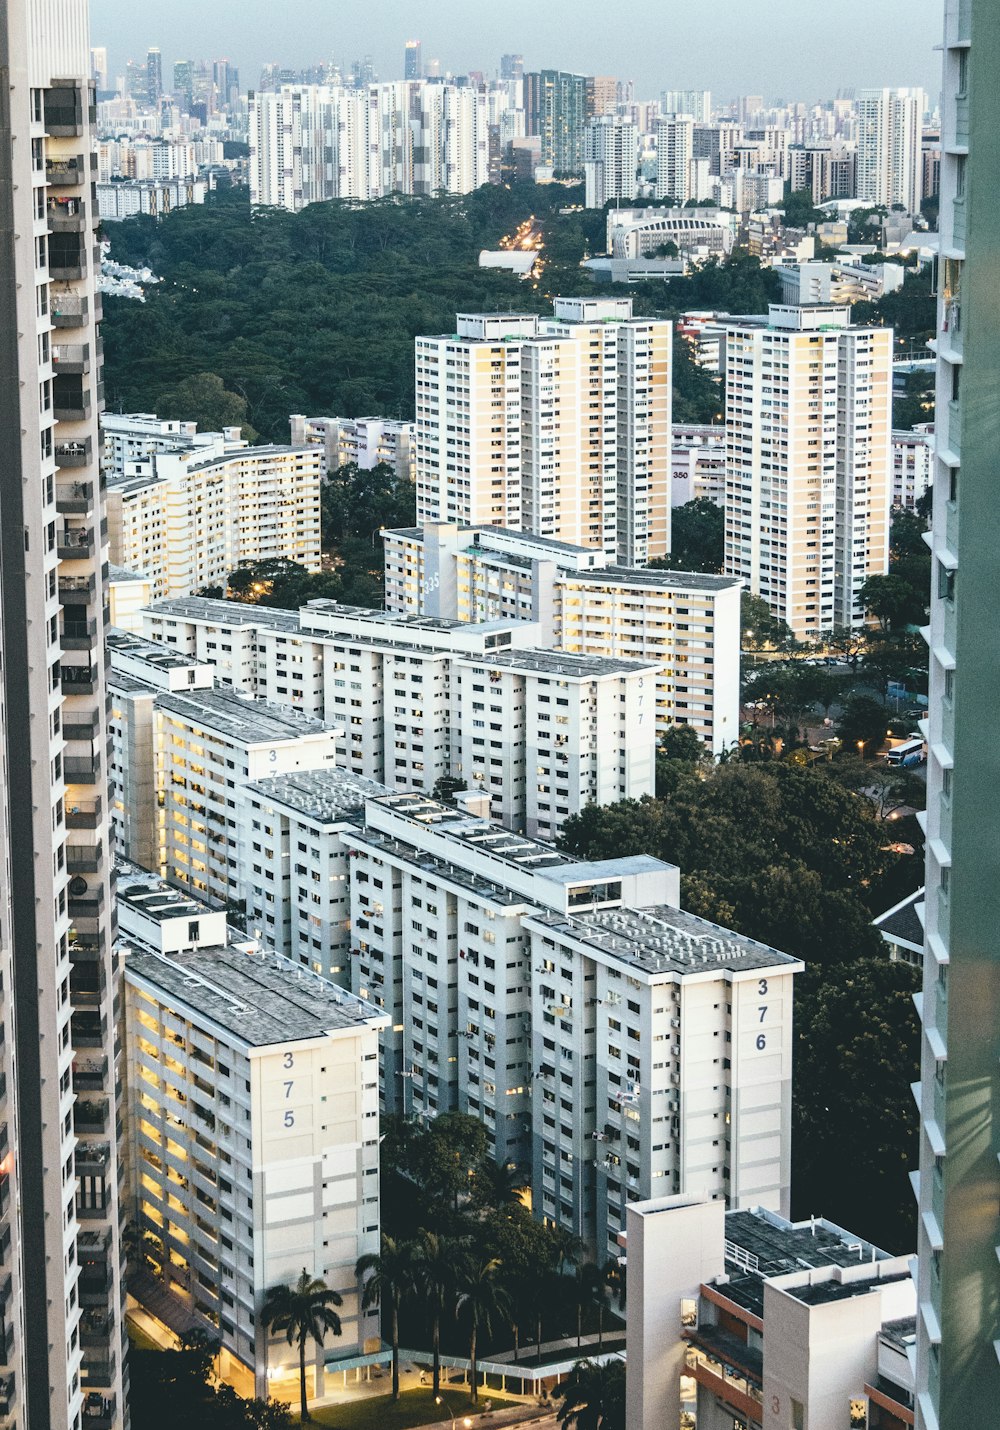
(808,462)
(687,624)
(958,1286)
(63,1346)
(889,167)
(367,441)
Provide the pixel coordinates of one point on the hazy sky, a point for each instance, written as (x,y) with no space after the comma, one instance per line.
(805,49)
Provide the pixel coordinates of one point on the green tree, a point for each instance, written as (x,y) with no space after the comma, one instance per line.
(863,721)
(168,1388)
(481,1301)
(855,1121)
(697,538)
(434,1280)
(889,599)
(387,1278)
(680,742)
(800,210)
(761,629)
(303,1312)
(847,641)
(593,1396)
(204,398)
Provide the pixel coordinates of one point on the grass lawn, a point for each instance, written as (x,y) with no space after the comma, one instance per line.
(414,1407)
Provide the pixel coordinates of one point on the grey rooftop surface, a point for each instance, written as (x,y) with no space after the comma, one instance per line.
(661,580)
(901,1333)
(224,613)
(661,939)
(902,923)
(326,796)
(124,573)
(561,663)
(248,722)
(151,652)
(259,999)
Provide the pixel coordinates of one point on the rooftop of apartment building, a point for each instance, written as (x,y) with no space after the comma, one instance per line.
(324,796)
(658,580)
(127,483)
(124,573)
(258,998)
(562,663)
(224,613)
(150,895)
(902,1333)
(249,722)
(661,939)
(154,653)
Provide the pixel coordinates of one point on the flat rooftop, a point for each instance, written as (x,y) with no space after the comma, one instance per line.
(326,796)
(245,721)
(661,939)
(564,663)
(259,999)
(153,653)
(466,831)
(224,613)
(124,573)
(660,580)
(150,895)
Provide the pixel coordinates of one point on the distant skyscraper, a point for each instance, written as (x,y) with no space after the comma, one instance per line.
(412,67)
(610,160)
(99,67)
(696,102)
(674,153)
(557,106)
(154,76)
(63,1348)
(602,95)
(511,66)
(184,83)
(958,1284)
(432,70)
(889,169)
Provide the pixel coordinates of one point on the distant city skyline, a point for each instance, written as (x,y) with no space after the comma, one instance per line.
(783,49)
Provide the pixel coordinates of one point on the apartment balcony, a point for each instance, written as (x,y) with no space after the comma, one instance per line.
(90,1116)
(71,358)
(63,109)
(98,1412)
(6,1342)
(98,1369)
(66,215)
(82,769)
(67,256)
(71,398)
(66,173)
(74,590)
(69,310)
(86,947)
(73,454)
(84,858)
(88,1030)
(74,498)
(95,1325)
(79,635)
(76,543)
(79,680)
(90,1074)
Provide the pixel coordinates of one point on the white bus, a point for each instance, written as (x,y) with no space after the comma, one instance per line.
(907,754)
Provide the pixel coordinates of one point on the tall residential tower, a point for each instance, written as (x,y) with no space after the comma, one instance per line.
(62,1348)
(958,1229)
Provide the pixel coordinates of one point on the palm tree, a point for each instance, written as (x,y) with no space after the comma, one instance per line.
(304,1312)
(593,1282)
(480,1299)
(434,1277)
(388,1278)
(593,1396)
(498,1185)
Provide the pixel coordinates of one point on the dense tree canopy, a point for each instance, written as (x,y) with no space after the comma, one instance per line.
(697,538)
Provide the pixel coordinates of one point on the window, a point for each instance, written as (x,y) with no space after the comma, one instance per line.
(798,1415)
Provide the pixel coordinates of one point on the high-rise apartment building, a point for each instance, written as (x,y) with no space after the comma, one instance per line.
(889,166)
(154,76)
(808,462)
(674,153)
(696,102)
(63,1343)
(412,66)
(511,67)
(99,67)
(559,426)
(561,102)
(610,160)
(601,95)
(958,1227)
(184,84)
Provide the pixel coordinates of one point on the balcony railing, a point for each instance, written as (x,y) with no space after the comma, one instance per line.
(71,401)
(66,215)
(75,498)
(79,680)
(69,310)
(82,769)
(84,858)
(78,635)
(90,1074)
(75,543)
(91,1116)
(71,357)
(76,588)
(66,173)
(99,1412)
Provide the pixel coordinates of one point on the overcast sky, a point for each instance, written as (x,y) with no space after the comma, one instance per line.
(805,49)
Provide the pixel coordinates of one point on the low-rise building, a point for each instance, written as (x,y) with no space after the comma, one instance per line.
(817,281)
(687,624)
(610,1042)
(252,1129)
(403,691)
(902,927)
(742,1318)
(188,513)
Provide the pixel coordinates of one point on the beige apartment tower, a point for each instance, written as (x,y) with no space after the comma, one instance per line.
(62,1347)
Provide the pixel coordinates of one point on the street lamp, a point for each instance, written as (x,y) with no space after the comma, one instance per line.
(861,748)
(440,1400)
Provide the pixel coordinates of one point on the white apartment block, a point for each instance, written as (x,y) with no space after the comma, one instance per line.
(559,426)
(129,592)
(687,624)
(912,467)
(253,1133)
(889,133)
(610,160)
(367,441)
(818,282)
(181,752)
(394,688)
(293,864)
(698,464)
(696,102)
(674,157)
(613,1042)
(808,462)
(309,143)
(743,1318)
(133,437)
(188,517)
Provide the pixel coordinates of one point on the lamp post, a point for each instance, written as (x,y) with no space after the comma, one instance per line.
(861,750)
(467,1420)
